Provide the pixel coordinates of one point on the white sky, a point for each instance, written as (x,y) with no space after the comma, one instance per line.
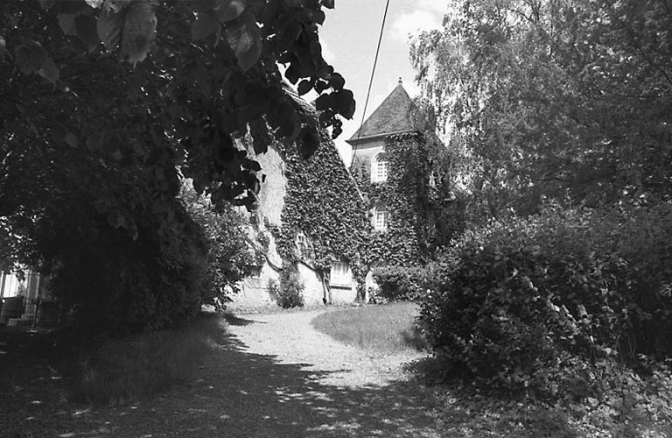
(349,39)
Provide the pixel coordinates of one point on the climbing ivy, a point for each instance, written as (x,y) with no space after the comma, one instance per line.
(332,208)
(405,195)
(323,202)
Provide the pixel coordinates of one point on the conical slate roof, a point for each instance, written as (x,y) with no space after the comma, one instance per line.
(392,116)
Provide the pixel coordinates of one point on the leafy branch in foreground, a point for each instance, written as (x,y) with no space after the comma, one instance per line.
(93,148)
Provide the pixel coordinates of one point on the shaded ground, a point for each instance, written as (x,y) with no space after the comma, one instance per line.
(272,376)
(32,393)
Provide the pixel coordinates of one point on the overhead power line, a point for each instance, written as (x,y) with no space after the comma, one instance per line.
(373,73)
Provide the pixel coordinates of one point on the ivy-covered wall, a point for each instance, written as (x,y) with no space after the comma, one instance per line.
(406,196)
(321,201)
(324,204)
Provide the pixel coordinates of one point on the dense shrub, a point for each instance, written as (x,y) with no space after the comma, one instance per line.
(535,303)
(116,285)
(397,283)
(230,256)
(289,292)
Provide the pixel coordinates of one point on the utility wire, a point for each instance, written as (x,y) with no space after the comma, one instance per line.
(373,73)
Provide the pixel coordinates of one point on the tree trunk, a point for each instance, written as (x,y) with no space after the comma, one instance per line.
(326,286)
(2,285)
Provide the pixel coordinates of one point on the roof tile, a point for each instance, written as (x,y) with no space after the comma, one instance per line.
(393,115)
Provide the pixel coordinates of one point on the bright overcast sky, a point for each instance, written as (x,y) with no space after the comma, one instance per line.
(349,39)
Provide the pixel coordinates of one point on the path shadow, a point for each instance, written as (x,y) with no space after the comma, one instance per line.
(241,394)
(238,321)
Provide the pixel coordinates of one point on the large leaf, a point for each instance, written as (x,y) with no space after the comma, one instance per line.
(110,28)
(229,10)
(30,56)
(203,5)
(304,87)
(204,25)
(344,103)
(83,26)
(47,4)
(49,70)
(260,135)
(132,29)
(247,60)
(67,23)
(244,38)
(86,26)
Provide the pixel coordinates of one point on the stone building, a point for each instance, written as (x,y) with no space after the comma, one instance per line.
(392,164)
(310,219)
(379,212)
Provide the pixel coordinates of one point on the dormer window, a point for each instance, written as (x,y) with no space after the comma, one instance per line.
(379,168)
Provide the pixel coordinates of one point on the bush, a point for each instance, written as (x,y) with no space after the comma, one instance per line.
(289,293)
(113,284)
(533,304)
(229,255)
(398,283)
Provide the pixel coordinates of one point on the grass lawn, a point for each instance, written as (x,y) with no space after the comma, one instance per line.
(385,328)
(136,367)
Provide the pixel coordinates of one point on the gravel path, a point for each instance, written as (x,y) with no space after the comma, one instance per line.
(275,376)
(291,338)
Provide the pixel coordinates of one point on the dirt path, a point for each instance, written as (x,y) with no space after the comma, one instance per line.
(275,376)
(291,338)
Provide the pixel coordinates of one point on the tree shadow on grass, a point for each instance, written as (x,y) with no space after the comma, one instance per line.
(242,394)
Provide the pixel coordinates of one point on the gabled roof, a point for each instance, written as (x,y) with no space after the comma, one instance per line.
(392,116)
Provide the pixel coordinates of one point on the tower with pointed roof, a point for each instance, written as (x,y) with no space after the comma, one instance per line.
(393,116)
(392,167)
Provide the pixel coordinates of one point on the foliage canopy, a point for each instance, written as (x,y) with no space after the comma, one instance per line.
(555,98)
(93,148)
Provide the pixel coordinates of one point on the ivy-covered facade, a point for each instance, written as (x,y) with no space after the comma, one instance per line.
(324,221)
(314,224)
(329,226)
(394,164)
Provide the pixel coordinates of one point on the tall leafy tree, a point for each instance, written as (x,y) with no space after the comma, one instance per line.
(212,74)
(107,103)
(559,98)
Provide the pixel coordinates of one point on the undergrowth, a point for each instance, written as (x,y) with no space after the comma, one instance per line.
(126,369)
(568,310)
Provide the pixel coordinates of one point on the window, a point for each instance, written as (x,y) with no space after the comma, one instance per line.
(431,224)
(379,168)
(255,271)
(303,246)
(381,218)
(432,180)
(340,274)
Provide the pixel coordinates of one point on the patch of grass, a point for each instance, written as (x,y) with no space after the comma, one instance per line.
(128,369)
(386,328)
